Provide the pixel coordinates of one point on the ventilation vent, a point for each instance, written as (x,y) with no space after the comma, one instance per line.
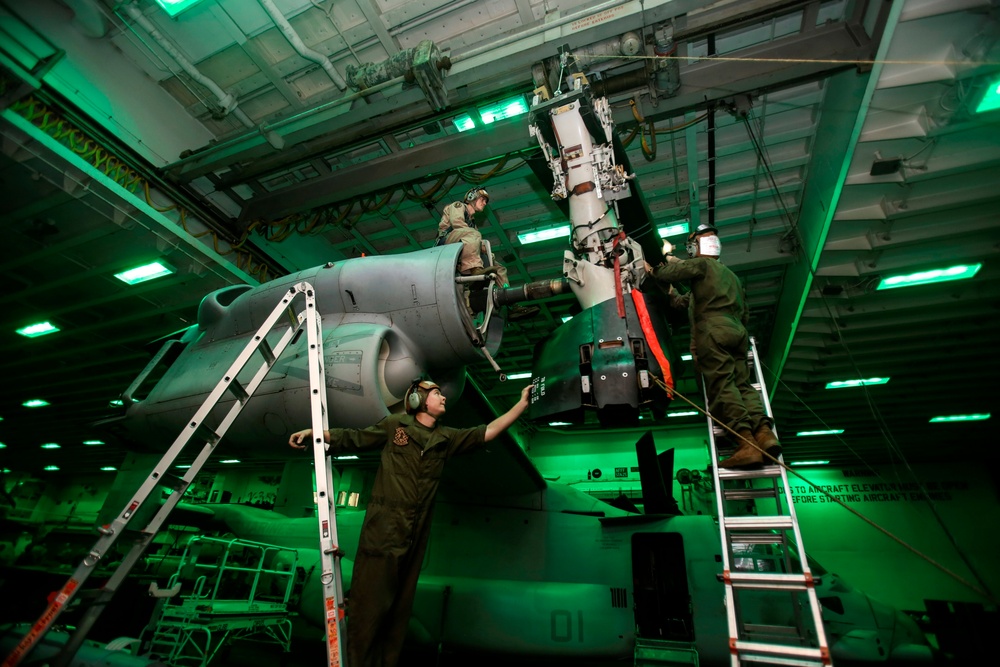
(619,598)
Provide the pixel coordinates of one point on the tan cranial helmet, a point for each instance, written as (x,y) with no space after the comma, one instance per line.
(416,395)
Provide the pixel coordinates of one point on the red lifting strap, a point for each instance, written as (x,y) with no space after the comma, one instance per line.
(654,345)
(618,276)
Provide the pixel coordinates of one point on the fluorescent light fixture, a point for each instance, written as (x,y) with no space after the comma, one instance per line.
(559,424)
(810,463)
(7,471)
(35,403)
(673,229)
(508,108)
(958,272)
(38,329)
(832,431)
(991,98)
(141,274)
(3,445)
(567,318)
(116,403)
(108,468)
(464,122)
(51,445)
(944,419)
(519,376)
(544,234)
(175,7)
(183,465)
(689,413)
(51,468)
(229,461)
(686,357)
(346,457)
(91,443)
(841,384)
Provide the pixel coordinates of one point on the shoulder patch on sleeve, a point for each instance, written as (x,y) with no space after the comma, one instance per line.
(457,204)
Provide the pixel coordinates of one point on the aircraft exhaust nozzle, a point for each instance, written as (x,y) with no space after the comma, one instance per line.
(539,289)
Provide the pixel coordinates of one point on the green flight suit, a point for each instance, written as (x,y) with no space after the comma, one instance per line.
(457,226)
(718,312)
(396,528)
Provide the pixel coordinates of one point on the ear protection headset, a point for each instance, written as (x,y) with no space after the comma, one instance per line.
(416,395)
(475,193)
(692,240)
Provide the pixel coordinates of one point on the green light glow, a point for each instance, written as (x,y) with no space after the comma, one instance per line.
(960,418)
(810,463)
(543,234)
(108,468)
(509,108)
(93,442)
(3,445)
(183,465)
(175,7)
(116,403)
(673,229)
(464,122)
(230,461)
(959,272)
(689,413)
(832,431)
(991,98)
(51,445)
(519,376)
(346,457)
(141,274)
(35,403)
(840,384)
(686,357)
(38,329)
(559,424)
(51,468)
(567,319)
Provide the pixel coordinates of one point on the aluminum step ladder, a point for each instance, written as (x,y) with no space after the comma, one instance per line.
(208,436)
(764,565)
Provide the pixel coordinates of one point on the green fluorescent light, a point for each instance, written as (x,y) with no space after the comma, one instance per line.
(7,471)
(175,7)
(116,403)
(519,376)
(93,442)
(230,461)
(108,468)
(567,318)
(840,384)
(991,99)
(35,403)
(832,431)
(673,229)
(51,445)
(38,329)
(958,272)
(508,108)
(50,468)
(960,418)
(810,463)
(141,274)
(464,122)
(183,465)
(346,457)
(559,424)
(686,357)
(689,413)
(543,234)
(3,445)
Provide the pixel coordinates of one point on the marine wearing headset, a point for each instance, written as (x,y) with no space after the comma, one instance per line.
(398,518)
(458,225)
(718,312)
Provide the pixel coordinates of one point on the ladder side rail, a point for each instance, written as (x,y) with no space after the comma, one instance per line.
(111,532)
(724,537)
(326,516)
(814,604)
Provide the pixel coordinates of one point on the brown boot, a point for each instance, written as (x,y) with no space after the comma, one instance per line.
(767,441)
(745,455)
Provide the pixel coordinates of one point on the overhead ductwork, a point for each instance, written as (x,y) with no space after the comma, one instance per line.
(300,47)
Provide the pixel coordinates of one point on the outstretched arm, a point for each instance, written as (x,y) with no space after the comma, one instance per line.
(302,439)
(503,422)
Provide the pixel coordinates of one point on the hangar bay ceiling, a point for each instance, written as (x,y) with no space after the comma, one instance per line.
(834,144)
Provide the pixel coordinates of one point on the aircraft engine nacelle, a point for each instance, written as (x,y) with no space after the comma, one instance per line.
(386,320)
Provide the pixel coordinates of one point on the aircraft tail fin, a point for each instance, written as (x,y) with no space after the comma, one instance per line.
(655,472)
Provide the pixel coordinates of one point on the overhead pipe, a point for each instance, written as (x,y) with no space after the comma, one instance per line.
(227,102)
(300,46)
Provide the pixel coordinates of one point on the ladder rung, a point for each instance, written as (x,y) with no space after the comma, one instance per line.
(755,385)
(779,654)
(266,352)
(748,494)
(238,391)
(205,434)
(770,581)
(755,630)
(758,538)
(752,522)
(759,473)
